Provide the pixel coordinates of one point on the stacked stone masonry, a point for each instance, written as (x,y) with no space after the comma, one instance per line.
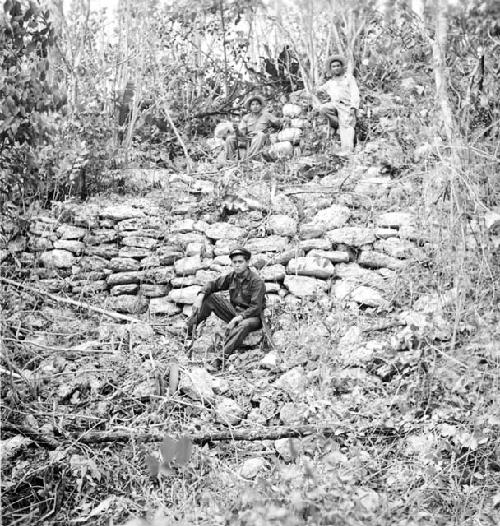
(140,256)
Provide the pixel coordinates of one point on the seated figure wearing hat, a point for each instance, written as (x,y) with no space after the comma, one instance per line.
(253,130)
(342,109)
(243,311)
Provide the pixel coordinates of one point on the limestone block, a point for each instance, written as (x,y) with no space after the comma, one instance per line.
(252,467)
(260,261)
(311,231)
(188,266)
(100,235)
(354,273)
(373,259)
(71,245)
(335,256)
(224,261)
(267,244)
(133,252)
(395,247)
(182,226)
(131,288)
(158,275)
(139,223)
(184,239)
(291,135)
(154,291)
(311,266)
(292,111)
(86,218)
(286,256)
(40,244)
(57,259)
(163,306)
(198,384)
(125,278)
(43,228)
(202,186)
(353,236)
(168,254)
(273,273)
(155,233)
(224,231)
(92,264)
(228,412)
(272,287)
(119,264)
(350,291)
(71,232)
(127,303)
(120,212)
(384,233)
(293,381)
(104,251)
(86,288)
(282,225)
(316,243)
(282,150)
(299,123)
(139,242)
(185,295)
(223,247)
(183,281)
(195,249)
(335,216)
(150,262)
(305,286)
(396,220)
(204,276)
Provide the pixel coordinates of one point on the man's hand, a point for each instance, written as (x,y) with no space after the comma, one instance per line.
(197,302)
(234,322)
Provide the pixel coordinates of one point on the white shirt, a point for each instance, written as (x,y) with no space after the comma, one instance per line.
(342,90)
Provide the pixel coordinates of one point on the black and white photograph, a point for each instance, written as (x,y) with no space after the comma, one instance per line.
(250,262)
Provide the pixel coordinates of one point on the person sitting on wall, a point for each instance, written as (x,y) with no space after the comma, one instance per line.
(243,312)
(252,132)
(342,109)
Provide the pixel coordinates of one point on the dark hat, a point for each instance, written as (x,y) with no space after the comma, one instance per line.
(335,58)
(256,97)
(240,251)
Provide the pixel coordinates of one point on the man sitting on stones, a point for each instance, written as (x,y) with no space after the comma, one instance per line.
(253,130)
(342,109)
(243,312)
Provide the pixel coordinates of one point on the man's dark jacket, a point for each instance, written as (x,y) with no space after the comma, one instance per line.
(246,293)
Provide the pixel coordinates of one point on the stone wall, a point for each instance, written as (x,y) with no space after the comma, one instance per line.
(153,253)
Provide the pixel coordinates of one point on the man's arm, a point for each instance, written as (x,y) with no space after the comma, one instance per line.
(243,125)
(258,289)
(273,120)
(353,88)
(216,285)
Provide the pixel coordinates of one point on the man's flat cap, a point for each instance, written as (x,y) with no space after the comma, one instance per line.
(240,251)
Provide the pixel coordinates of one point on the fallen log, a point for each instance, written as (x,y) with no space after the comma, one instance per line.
(69,301)
(384,326)
(238,435)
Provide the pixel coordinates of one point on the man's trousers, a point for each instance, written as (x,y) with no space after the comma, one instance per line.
(222,308)
(254,143)
(340,116)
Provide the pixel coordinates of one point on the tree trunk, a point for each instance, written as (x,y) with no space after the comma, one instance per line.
(440,70)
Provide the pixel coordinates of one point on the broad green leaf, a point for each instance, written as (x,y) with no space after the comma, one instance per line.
(168,449)
(183,451)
